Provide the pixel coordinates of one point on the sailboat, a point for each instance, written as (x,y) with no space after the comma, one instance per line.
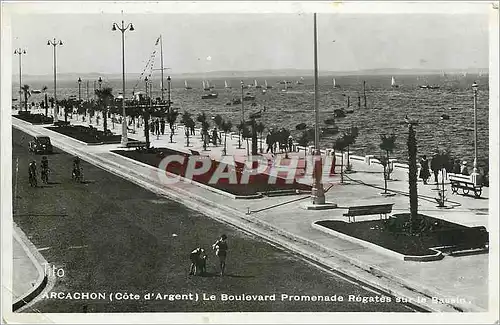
(300,82)
(256,84)
(186,86)
(206,85)
(267,86)
(335,84)
(286,86)
(226,85)
(393,83)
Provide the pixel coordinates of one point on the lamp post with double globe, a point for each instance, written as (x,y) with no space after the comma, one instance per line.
(122,29)
(20,52)
(55,43)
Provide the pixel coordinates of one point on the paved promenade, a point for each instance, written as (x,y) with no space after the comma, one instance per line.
(284,221)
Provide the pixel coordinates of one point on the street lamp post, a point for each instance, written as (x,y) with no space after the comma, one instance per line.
(54,43)
(475,174)
(122,29)
(168,93)
(79,89)
(20,52)
(317,193)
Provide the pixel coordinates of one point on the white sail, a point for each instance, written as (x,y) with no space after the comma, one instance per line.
(334,83)
(255,83)
(265,82)
(185,83)
(393,82)
(204,87)
(225,84)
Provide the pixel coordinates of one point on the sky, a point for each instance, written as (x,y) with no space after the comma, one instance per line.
(197,43)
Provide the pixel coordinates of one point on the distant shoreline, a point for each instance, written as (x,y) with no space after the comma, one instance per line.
(285,73)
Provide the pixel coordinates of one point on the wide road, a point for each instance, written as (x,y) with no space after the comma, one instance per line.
(112,236)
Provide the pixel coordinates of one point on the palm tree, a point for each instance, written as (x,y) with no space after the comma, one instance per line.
(246,134)
(26,91)
(226,128)
(351,135)
(46,105)
(259,128)
(412,179)
(104,97)
(171,119)
(240,128)
(444,163)
(188,123)
(306,137)
(387,144)
(341,144)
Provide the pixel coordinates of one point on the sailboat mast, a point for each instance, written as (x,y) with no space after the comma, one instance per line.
(161,61)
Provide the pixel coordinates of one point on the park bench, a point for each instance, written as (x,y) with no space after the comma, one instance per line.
(136,144)
(465,183)
(365,210)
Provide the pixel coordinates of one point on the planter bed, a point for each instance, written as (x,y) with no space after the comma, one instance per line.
(257,183)
(34,118)
(440,234)
(87,135)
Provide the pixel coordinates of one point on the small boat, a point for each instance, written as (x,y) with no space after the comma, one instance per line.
(453,108)
(301,126)
(339,113)
(330,130)
(393,83)
(236,101)
(253,104)
(300,82)
(210,96)
(256,85)
(226,85)
(266,85)
(445,116)
(264,91)
(330,121)
(256,114)
(206,85)
(428,87)
(248,96)
(186,86)
(349,111)
(229,104)
(286,86)
(36,91)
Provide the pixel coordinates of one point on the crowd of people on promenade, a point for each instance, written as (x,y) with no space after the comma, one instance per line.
(435,167)
(279,140)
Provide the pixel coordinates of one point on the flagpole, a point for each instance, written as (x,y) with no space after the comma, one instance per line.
(161,53)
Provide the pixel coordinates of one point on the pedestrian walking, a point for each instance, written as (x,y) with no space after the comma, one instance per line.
(268,142)
(220,247)
(290,143)
(152,123)
(215,136)
(192,130)
(195,257)
(456,167)
(162,125)
(464,170)
(435,167)
(157,126)
(424,169)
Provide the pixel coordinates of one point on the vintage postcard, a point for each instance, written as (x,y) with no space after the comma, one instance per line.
(249,162)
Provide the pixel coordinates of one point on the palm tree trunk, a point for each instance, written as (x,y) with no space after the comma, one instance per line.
(46,106)
(342,167)
(105,122)
(225,143)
